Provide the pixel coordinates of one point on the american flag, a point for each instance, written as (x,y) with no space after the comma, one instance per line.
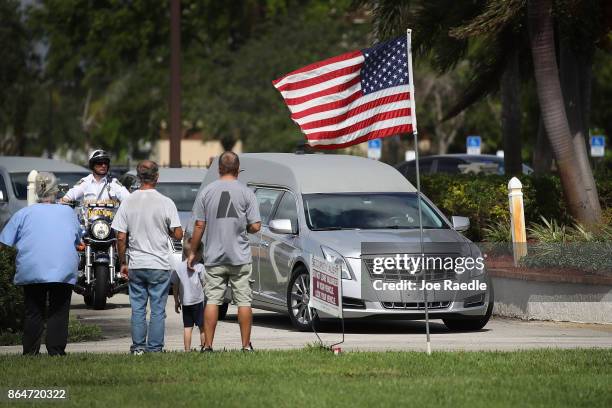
(351,98)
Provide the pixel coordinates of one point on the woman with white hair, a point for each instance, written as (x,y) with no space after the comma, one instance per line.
(45,236)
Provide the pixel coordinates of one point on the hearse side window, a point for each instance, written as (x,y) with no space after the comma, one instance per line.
(266,198)
(287,210)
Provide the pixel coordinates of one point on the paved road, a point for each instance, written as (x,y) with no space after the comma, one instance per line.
(274,331)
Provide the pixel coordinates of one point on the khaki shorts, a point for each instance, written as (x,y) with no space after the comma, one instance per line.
(217,278)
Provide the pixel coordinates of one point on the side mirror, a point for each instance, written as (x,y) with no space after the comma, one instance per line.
(281,227)
(461,223)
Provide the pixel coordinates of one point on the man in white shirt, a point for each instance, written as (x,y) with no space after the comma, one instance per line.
(98,185)
(143,223)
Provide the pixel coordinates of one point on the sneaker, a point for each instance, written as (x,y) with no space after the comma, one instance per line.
(206,349)
(248,349)
(137,352)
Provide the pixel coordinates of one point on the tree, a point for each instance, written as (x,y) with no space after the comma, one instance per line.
(18,78)
(231,94)
(442,34)
(432,91)
(112,58)
(554,117)
(497,32)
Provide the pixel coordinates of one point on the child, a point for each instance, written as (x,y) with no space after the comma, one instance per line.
(189,284)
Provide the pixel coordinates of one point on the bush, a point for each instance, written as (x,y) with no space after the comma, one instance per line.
(549,232)
(484,199)
(585,256)
(11,296)
(561,246)
(498,231)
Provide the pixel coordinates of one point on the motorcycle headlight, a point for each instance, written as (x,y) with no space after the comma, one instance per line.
(100,229)
(335,258)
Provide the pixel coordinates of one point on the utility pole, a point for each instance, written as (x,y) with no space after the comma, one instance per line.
(175,83)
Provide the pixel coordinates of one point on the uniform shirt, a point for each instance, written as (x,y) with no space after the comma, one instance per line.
(190,283)
(88,189)
(147,216)
(227,206)
(45,236)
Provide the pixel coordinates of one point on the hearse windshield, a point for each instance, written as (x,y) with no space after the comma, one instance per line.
(368,211)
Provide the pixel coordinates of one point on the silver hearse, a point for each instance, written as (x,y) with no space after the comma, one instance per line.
(329,206)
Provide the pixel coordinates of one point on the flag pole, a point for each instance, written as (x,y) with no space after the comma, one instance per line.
(418,178)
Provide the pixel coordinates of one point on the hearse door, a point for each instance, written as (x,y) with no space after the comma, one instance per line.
(267,198)
(281,249)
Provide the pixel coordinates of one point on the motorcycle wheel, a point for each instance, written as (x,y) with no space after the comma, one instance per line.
(88,299)
(100,286)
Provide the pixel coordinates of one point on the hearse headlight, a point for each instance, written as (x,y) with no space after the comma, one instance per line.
(100,229)
(479,266)
(334,257)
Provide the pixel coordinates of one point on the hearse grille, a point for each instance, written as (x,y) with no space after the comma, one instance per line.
(415,305)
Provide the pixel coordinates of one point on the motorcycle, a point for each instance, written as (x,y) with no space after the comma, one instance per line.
(99,276)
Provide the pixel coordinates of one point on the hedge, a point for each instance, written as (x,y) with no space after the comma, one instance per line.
(484,198)
(11,296)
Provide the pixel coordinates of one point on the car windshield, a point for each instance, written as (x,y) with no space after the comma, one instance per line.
(183,194)
(20,181)
(368,211)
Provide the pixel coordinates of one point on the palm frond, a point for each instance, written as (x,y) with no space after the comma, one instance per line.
(496,16)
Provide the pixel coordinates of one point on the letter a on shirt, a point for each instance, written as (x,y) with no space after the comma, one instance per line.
(226,208)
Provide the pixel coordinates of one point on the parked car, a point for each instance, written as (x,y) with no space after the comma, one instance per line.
(14,172)
(327,206)
(456,164)
(181,185)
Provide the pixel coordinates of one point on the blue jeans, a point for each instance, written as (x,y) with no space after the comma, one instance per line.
(152,285)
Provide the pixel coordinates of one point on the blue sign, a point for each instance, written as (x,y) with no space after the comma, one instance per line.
(598,146)
(473,141)
(598,141)
(374,149)
(473,144)
(374,144)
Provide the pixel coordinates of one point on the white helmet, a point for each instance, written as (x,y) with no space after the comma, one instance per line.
(98,156)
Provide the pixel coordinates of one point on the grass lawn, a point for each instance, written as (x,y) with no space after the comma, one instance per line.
(77,332)
(315,378)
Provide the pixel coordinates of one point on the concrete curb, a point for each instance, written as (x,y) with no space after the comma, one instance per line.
(556,301)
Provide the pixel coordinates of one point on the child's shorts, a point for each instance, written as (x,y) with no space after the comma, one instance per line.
(193,315)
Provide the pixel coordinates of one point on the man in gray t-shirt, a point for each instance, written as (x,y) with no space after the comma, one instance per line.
(225,212)
(227,207)
(144,223)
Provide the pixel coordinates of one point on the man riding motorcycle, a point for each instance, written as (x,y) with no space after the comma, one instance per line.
(98,277)
(98,185)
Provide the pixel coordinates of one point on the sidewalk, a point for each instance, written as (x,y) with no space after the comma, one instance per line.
(274,331)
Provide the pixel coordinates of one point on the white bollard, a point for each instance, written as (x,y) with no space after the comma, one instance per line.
(517,219)
(32,197)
